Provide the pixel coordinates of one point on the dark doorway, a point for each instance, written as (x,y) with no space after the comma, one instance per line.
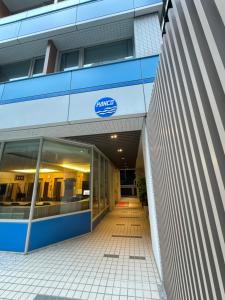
(128,182)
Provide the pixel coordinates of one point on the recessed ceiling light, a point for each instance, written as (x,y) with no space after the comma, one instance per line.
(114,136)
(120,150)
(123,158)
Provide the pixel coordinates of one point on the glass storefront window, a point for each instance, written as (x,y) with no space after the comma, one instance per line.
(17,172)
(64,179)
(63,185)
(95,206)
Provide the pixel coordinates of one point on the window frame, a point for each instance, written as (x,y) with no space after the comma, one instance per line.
(109,61)
(59,58)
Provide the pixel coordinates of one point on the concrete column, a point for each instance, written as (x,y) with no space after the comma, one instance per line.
(4,11)
(50,58)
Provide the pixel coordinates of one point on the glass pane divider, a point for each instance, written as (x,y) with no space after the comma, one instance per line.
(99,182)
(92,185)
(34,194)
(1,150)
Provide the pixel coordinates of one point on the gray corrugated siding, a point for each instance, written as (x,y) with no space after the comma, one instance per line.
(186,130)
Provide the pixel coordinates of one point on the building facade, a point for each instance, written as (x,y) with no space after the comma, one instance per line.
(185,128)
(91,87)
(73,70)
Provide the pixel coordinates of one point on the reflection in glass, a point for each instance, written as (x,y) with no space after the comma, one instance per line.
(108,52)
(38,66)
(69,61)
(17,171)
(95,205)
(18,70)
(64,180)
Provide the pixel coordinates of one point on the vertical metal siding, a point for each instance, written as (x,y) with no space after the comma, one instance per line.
(186,124)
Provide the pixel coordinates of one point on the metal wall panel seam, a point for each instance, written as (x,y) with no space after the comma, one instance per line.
(211,42)
(221,8)
(204,164)
(196,131)
(178,139)
(184,113)
(206,79)
(162,178)
(168,108)
(170,149)
(168,193)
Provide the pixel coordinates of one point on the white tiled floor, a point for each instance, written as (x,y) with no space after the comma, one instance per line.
(77,268)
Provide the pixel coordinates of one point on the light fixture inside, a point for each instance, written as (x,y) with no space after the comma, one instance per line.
(120,150)
(114,136)
(123,158)
(33,171)
(81,168)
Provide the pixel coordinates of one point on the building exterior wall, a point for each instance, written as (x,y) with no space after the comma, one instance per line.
(187,141)
(147,35)
(151,201)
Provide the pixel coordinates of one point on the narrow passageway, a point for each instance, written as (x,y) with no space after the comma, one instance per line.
(114,262)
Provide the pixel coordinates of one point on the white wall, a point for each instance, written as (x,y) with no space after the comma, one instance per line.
(147,35)
(71,108)
(151,202)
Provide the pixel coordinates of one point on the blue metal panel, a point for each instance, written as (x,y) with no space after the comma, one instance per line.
(9,31)
(141,3)
(102,8)
(149,67)
(126,73)
(47,232)
(106,75)
(13,236)
(39,87)
(48,21)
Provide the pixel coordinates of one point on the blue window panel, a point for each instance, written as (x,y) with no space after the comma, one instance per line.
(47,232)
(54,84)
(13,236)
(102,8)
(48,21)
(106,75)
(149,67)
(9,31)
(141,3)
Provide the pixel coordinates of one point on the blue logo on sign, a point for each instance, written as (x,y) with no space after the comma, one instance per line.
(105,107)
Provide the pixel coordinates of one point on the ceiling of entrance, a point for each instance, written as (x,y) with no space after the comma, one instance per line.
(128,142)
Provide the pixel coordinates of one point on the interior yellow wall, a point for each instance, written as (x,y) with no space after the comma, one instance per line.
(8,177)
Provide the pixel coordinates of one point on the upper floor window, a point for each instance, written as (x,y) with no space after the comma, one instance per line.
(22,69)
(74,59)
(108,52)
(69,60)
(38,65)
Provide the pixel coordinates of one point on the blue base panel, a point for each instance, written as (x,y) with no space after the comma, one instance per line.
(47,232)
(13,236)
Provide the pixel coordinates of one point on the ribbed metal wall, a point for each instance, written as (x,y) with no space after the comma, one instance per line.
(186,131)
